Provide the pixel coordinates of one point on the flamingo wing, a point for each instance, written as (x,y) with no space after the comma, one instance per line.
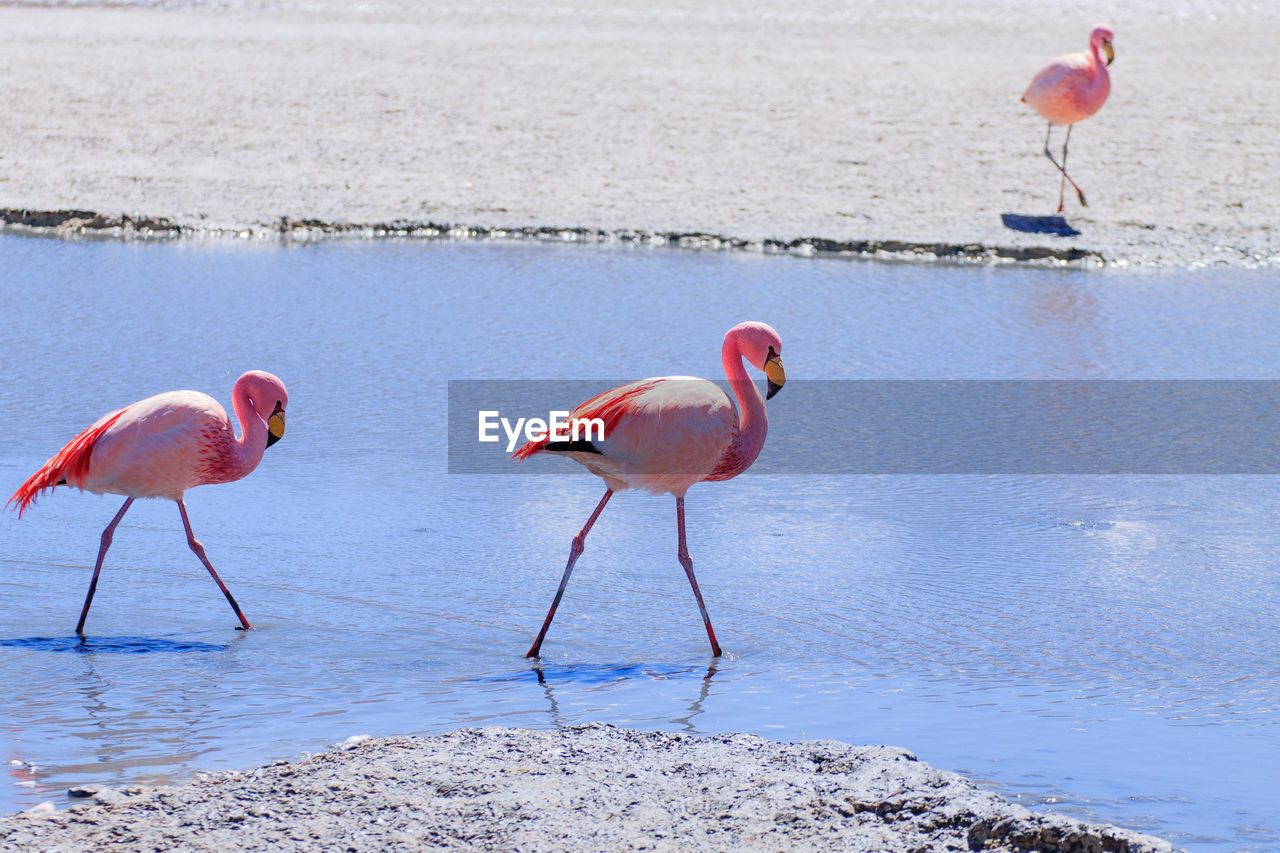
(661,435)
(1063,91)
(608,406)
(162,446)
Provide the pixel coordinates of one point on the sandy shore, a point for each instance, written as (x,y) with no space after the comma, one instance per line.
(585,788)
(871,126)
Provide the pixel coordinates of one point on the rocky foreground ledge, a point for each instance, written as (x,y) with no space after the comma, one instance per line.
(585,788)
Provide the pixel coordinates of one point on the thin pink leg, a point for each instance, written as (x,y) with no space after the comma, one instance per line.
(107,535)
(1062,185)
(1079,192)
(575,551)
(687,562)
(198,549)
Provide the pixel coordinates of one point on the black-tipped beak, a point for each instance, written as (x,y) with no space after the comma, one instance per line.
(777,376)
(275,425)
(1109,51)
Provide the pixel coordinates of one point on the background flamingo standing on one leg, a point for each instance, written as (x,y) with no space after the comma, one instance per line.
(160,447)
(663,435)
(1071,88)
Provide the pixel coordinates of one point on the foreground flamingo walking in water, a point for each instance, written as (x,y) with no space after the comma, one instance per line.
(663,435)
(1069,89)
(160,447)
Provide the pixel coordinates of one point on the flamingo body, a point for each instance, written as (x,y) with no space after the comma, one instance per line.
(160,447)
(661,435)
(664,434)
(1070,89)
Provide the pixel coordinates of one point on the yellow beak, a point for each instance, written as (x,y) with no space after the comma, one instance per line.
(777,376)
(1109,51)
(275,425)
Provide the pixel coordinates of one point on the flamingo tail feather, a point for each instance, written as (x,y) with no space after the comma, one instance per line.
(530,448)
(609,406)
(68,465)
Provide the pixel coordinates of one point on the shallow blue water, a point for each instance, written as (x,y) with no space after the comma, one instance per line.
(1103,646)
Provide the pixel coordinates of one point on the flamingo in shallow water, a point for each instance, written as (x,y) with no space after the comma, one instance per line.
(160,447)
(1069,89)
(663,435)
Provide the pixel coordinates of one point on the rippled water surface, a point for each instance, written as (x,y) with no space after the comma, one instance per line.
(1103,646)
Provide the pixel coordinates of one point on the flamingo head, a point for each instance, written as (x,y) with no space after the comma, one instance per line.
(269,398)
(763,348)
(1101,38)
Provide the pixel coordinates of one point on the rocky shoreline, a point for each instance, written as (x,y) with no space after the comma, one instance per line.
(72,224)
(584,788)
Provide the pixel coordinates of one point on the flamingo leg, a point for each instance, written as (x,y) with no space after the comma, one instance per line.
(1063,168)
(1062,183)
(198,550)
(575,551)
(107,536)
(1079,192)
(687,562)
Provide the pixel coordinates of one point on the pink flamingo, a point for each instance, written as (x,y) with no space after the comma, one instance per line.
(160,447)
(1069,89)
(663,435)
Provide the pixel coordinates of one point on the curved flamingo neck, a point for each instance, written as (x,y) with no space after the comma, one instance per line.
(1101,76)
(753,421)
(251,444)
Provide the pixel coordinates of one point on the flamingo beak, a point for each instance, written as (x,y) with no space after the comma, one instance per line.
(275,425)
(1109,51)
(777,376)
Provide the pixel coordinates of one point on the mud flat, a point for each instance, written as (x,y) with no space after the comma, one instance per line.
(590,787)
(851,128)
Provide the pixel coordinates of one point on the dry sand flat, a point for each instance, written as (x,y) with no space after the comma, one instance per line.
(841,120)
(585,788)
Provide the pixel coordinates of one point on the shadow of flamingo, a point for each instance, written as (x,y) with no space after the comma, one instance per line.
(1055,225)
(109,645)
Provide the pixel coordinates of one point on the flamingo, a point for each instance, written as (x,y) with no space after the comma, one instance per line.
(1070,89)
(160,447)
(663,435)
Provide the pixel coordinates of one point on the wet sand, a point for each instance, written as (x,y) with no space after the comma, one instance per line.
(823,125)
(584,788)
